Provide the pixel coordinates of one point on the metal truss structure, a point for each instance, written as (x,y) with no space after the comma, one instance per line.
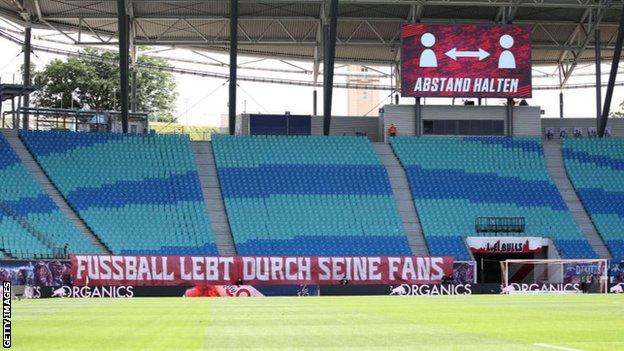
(368,31)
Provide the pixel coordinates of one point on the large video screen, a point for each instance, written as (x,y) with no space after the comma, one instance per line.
(466,60)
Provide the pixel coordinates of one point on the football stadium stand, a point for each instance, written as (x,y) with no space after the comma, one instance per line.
(457,179)
(137,193)
(308,195)
(596,169)
(31,223)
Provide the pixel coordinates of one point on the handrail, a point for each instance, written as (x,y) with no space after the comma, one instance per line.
(56,251)
(500,224)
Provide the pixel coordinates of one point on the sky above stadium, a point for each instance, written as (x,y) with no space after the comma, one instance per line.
(203,100)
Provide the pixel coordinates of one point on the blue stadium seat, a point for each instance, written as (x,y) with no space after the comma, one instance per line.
(24,202)
(456,179)
(596,169)
(140,194)
(308,195)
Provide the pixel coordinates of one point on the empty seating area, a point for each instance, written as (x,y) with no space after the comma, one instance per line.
(300,195)
(596,169)
(139,194)
(307,195)
(25,209)
(457,179)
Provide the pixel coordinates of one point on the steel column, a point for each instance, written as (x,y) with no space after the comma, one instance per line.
(417,117)
(510,101)
(26,73)
(134,106)
(561,104)
(510,106)
(314,104)
(13,111)
(612,75)
(134,102)
(233,64)
(598,61)
(124,62)
(328,65)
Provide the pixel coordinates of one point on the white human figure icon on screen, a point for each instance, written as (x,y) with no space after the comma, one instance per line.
(428,57)
(506,59)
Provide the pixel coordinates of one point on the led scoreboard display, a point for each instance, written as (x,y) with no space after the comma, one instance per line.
(466,60)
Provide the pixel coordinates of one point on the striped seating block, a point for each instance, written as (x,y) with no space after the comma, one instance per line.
(456,179)
(307,195)
(23,199)
(140,194)
(596,169)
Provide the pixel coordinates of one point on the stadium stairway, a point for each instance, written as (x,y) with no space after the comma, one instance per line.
(595,168)
(35,170)
(26,233)
(403,199)
(457,179)
(556,169)
(209,181)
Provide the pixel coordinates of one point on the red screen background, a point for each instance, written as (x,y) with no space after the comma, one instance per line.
(468,37)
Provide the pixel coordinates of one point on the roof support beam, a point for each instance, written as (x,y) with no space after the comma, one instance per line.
(134,102)
(124,62)
(592,25)
(233,65)
(26,74)
(611,84)
(539,4)
(328,64)
(598,62)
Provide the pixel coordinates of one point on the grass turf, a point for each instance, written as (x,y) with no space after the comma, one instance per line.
(485,322)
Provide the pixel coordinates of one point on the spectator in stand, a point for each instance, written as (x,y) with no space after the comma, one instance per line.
(392,130)
(578,133)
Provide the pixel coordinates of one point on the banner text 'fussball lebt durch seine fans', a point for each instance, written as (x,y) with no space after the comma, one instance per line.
(192,270)
(466,60)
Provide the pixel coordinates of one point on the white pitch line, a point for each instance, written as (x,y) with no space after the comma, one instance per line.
(555,347)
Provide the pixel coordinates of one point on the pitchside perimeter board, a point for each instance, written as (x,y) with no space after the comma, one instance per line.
(466,61)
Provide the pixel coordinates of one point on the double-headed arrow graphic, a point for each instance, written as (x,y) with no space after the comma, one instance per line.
(454,54)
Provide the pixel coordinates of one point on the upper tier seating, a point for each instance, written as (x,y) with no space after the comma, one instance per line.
(139,193)
(596,169)
(456,179)
(23,199)
(307,195)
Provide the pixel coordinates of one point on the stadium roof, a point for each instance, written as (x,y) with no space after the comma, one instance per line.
(368,30)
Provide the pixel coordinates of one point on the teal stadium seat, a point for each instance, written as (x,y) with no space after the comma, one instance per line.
(456,179)
(307,195)
(596,169)
(24,200)
(140,194)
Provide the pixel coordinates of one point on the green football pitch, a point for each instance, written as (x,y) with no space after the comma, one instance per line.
(485,322)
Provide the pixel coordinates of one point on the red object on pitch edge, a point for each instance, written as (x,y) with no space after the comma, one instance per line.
(466,60)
